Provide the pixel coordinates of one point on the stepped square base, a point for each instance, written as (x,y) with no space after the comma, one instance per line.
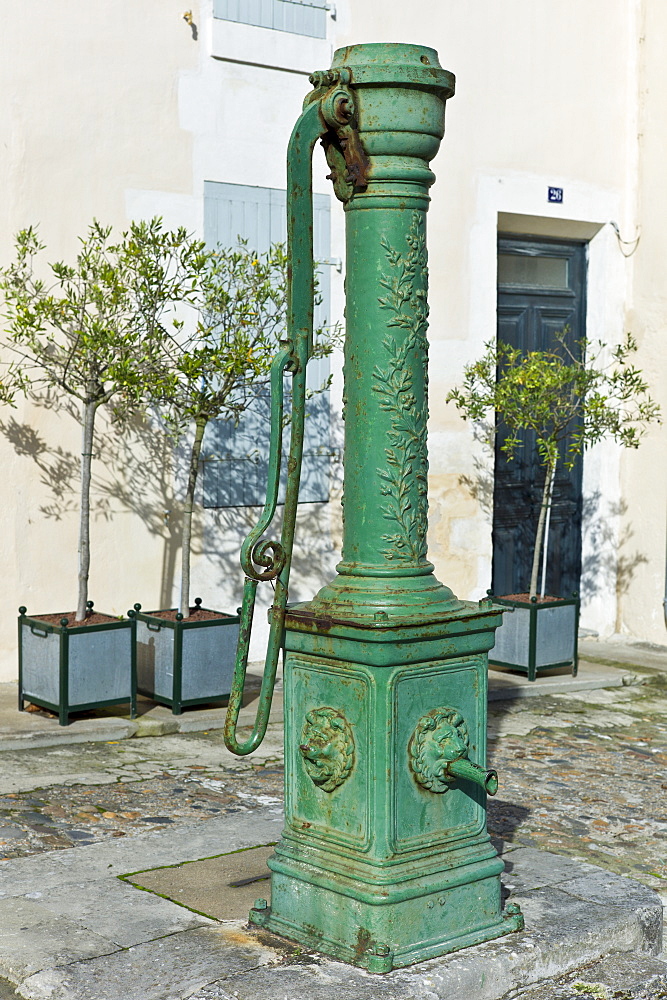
(385,859)
(387,934)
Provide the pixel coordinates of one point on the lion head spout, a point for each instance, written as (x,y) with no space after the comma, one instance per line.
(440,737)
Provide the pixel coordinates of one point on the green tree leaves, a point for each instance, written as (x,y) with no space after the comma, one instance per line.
(561,398)
(217,358)
(152,318)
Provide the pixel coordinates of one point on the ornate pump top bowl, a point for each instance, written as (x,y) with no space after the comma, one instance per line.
(397,64)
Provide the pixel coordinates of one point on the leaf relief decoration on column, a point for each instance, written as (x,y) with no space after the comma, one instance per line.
(404,477)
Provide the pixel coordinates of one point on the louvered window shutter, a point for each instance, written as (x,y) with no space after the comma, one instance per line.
(302,17)
(236,458)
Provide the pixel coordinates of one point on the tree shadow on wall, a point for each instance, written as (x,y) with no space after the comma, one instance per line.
(132,471)
(314,557)
(317,536)
(479,484)
(611,560)
(138,476)
(139,468)
(59,470)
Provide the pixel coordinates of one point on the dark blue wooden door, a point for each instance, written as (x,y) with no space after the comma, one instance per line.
(541,291)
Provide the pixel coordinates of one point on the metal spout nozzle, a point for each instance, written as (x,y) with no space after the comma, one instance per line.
(464,768)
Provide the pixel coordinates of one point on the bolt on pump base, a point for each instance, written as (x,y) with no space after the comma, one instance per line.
(385,859)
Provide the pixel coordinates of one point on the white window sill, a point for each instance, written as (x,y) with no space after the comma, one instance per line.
(245,43)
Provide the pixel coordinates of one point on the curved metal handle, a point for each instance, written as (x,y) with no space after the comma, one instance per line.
(271,560)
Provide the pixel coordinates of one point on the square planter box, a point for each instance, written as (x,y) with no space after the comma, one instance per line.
(182,662)
(537,636)
(72,669)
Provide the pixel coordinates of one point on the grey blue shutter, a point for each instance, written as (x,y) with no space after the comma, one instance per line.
(236,458)
(302,17)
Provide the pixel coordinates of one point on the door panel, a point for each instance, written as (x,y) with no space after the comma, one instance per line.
(541,290)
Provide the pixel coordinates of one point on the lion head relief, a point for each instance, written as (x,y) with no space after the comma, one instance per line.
(327,747)
(439,738)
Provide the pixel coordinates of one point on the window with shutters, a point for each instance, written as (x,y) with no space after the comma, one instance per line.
(302,17)
(236,458)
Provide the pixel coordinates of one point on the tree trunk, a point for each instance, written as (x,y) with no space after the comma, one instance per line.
(545,546)
(88,411)
(200,427)
(549,475)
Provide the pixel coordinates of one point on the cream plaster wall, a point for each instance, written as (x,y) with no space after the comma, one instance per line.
(89,109)
(117,111)
(239,105)
(644,472)
(546,95)
(114,110)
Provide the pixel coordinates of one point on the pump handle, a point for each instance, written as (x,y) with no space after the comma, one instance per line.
(268,559)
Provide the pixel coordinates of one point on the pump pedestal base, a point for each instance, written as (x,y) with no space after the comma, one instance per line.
(385,859)
(382,931)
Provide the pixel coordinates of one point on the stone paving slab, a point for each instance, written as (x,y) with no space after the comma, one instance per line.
(581,774)
(125,761)
(97,905)
(38,872)
(166,969)
(615,977)
(574,913)
(77,946)
(311,979)
(62,912)
(32,938)
(506,685)
(43,731)
(224,887)
(608,979)
(22,730)
(564,932)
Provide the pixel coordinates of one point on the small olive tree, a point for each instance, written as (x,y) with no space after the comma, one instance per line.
(89,333)
(570,402)
(217,362)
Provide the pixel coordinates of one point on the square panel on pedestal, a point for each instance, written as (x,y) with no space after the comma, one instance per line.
(421,818)
(339,814)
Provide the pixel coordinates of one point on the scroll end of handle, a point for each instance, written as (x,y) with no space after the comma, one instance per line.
(240,666)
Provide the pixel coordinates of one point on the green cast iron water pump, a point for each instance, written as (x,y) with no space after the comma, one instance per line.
(385,859)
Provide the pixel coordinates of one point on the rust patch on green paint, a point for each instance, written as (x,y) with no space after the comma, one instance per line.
(363,944)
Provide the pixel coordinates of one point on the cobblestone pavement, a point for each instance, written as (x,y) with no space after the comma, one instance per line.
(141,785)
(581,774)
(586,776)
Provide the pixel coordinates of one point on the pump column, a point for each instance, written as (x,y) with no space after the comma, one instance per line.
(385,858)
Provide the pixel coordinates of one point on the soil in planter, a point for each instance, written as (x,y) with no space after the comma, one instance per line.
(526,598)
(94,619)
(196,615)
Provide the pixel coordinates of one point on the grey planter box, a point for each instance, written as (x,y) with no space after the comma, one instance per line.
(535,637)
(78,668)
(185,662)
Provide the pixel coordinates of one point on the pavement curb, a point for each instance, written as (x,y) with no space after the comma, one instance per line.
(86,935)
(624,652)
(21,732)
(510,686)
